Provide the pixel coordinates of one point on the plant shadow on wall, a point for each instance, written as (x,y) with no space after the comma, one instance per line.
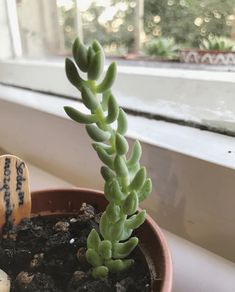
(95,247)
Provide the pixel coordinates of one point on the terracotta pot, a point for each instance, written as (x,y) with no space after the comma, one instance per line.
(152,241)
(207,57)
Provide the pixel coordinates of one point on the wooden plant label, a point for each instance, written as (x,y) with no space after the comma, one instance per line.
(15,198)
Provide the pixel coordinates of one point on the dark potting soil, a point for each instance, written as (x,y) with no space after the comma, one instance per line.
(47,254)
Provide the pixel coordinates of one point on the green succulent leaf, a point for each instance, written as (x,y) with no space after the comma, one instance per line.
(126,233)
(105,249)
(72,74)
(106,173)
(97,134)
(122,122)
(93,258)
(120,166)
(136,220)
(105,100)
(113,191)
(138,180)
(130,204)
(107,148)
(122,250)
(89,99)
(100,272)
(104,156)
(80,55)
(113,212)
(79,116)
(135,154)
(117,266)
(146,190)
(93,240)
(96,66)
(90,55)
(96,46)
(116,230)
(121,144)
(108,79)
(113,110)
(104,226)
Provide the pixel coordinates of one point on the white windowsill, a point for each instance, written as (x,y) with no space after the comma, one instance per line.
(198,96)
(209,146)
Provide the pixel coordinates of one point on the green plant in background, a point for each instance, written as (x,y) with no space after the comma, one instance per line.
(162,47)
(126,182)
(218,44)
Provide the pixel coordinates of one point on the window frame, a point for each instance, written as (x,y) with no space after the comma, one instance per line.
(156,93)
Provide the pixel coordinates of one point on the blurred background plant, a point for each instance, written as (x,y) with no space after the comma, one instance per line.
(218,44)
(165,48)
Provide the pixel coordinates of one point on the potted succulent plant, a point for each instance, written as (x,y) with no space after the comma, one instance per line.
(85,240)
(214,50)
(162,48)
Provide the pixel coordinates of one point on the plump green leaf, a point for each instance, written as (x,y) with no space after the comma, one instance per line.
(96,66)
(108,79)
(96,46)
(120,166)
(93,240)
(104,156)
(146,190)
(104,226)
(113,110)
(138,180)
(116,230)
(106,173)
(136,220)
(100,272)
(107,148)
(121,144)
(131,203)
(135,154)
(113,191)
(90,55)
(80,55)
(122,250)
(89,99)
(93,258)
(72,74)
(122,122)
(97,134)
(105,249)
(113,212)
(105,100)
(79,116)
(116,266)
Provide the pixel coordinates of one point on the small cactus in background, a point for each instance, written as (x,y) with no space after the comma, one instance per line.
(126,182)
(162,47)
(217,43)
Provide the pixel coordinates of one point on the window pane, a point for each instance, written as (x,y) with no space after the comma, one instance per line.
(145,27)
(5,39)
(39,29)
(188,20)
(111,22)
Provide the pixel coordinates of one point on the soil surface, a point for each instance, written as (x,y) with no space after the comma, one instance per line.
(47,254)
